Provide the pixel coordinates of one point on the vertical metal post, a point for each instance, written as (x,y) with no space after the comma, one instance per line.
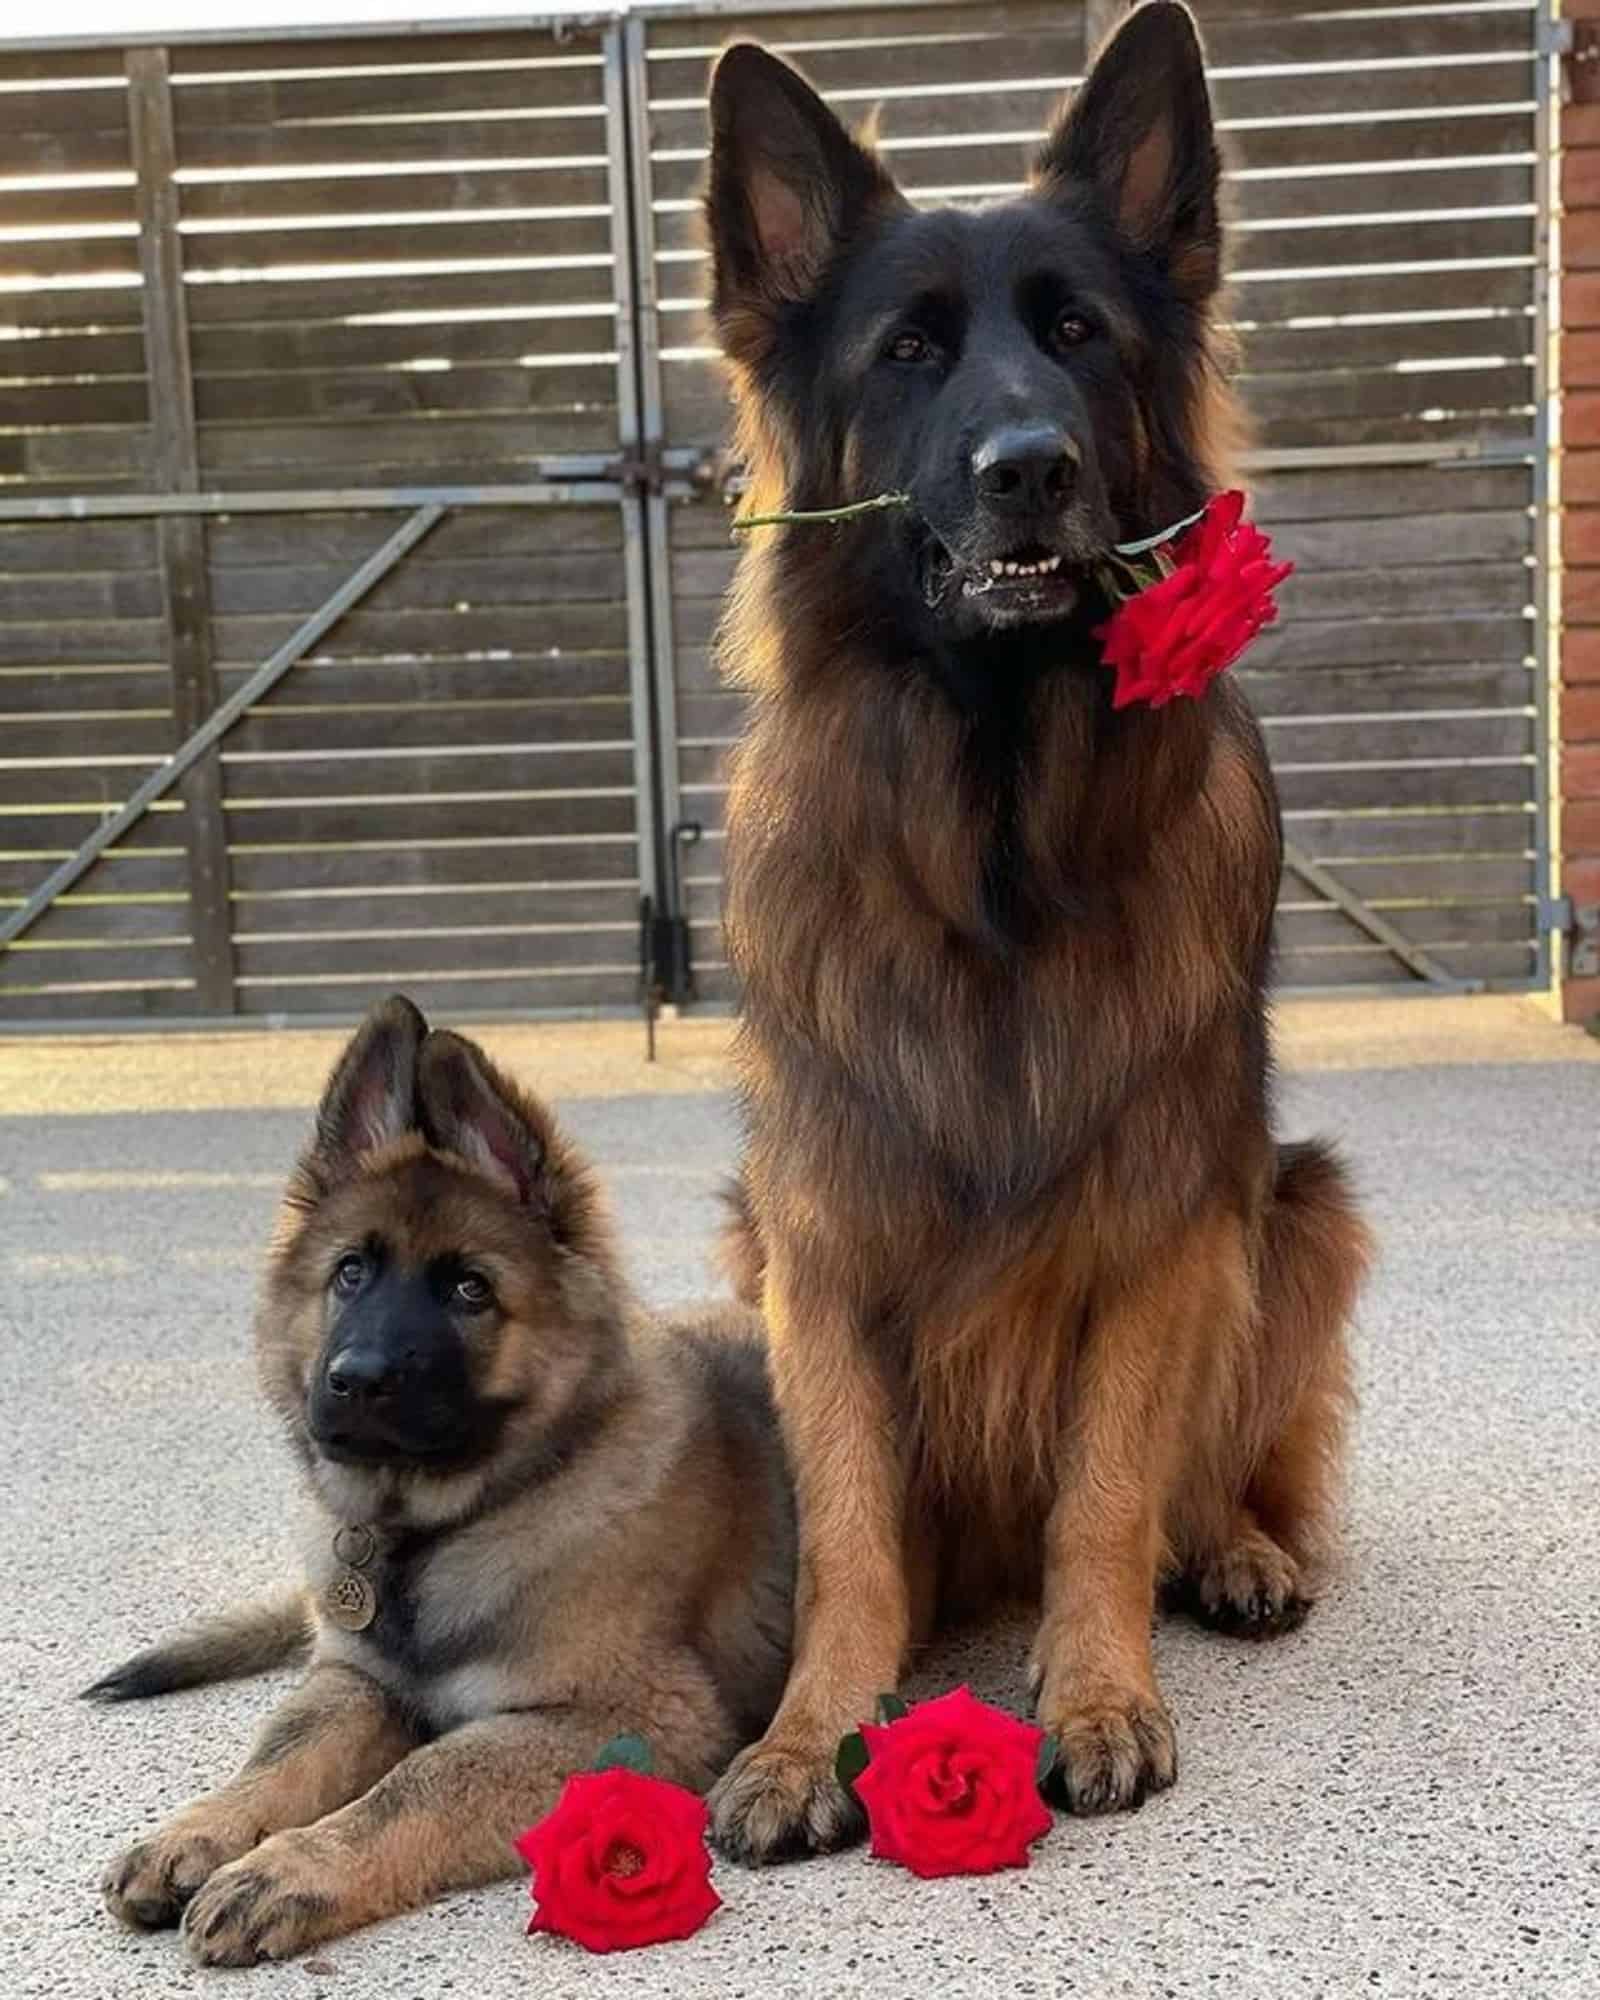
(652,416)
(630,441)
(1546,495)
(180,539)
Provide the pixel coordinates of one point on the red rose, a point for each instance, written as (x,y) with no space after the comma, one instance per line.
(621,1861)
(1176,635)
(951,1788)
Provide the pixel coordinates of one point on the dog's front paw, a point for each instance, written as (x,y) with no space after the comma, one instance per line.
(149,1884)
(1111,1753)
(275,1902)
(775,1802)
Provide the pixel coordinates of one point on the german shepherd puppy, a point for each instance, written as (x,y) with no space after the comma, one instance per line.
(1049,1308)
(535,1522)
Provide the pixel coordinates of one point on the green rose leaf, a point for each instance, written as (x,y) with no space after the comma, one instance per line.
(890,1708)
(627,1753)
(1049,1750)
(852,1760)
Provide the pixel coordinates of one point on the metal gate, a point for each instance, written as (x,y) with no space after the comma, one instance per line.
(319,408)
(1390,251)
(350,388)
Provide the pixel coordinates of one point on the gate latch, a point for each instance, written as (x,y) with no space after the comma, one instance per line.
(643,474)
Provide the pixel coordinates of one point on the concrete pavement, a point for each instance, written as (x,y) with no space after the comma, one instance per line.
(1401,1799)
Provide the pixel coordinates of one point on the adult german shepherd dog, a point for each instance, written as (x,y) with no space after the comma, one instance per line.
(535,1521)
(1050,1309)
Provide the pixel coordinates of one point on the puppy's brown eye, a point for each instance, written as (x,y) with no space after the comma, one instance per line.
(349,1273)
(473,1291)
(1070,330)
(909,347)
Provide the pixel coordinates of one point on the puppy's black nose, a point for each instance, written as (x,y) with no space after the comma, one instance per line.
(367,1374)
(1026,469)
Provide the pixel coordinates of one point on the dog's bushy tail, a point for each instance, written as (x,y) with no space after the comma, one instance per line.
(1318,1250)
(1316,1254)
(228,1645)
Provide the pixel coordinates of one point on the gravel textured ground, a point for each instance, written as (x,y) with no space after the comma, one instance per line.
(1402,1799)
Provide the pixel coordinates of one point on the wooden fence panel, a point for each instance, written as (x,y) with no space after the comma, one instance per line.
(401,265)
(1382,187)
(382,261)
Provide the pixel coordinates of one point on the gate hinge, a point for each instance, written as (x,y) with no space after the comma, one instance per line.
(644,473)
(1579,924)
(1583,941)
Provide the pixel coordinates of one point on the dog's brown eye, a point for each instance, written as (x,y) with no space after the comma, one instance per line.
(1070,330)
(349,1272)
(473,1291)
(909,347)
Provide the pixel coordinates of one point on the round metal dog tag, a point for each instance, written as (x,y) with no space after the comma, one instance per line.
(350,1601)
(355,1545)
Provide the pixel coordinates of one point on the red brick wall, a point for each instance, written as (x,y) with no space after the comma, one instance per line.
(1580,484)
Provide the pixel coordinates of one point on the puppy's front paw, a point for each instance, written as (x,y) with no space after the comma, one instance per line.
(776,1802)
(149,1884)
(275,1902)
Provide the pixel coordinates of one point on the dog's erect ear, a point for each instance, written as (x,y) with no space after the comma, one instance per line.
(789,188)
(469,1109)
(371,1097)
(1140,134)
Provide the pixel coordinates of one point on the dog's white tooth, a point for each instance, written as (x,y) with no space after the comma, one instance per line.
(996,566)
(1011,569)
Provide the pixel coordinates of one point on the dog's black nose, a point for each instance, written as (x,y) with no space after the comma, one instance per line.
(367,1374)
(1026,469)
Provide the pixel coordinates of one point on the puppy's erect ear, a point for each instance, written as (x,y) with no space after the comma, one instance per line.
(469,1109)
(789,188)
(371,1097)
(1140,134)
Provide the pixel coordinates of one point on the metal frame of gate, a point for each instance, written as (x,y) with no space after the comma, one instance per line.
(646,475)
(1552,915)
(630,477)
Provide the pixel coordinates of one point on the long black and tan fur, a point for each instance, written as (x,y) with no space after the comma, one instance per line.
(1052,1311)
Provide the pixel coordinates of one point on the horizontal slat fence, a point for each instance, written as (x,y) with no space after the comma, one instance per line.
(400,268)
(403,261)
(1382,185)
